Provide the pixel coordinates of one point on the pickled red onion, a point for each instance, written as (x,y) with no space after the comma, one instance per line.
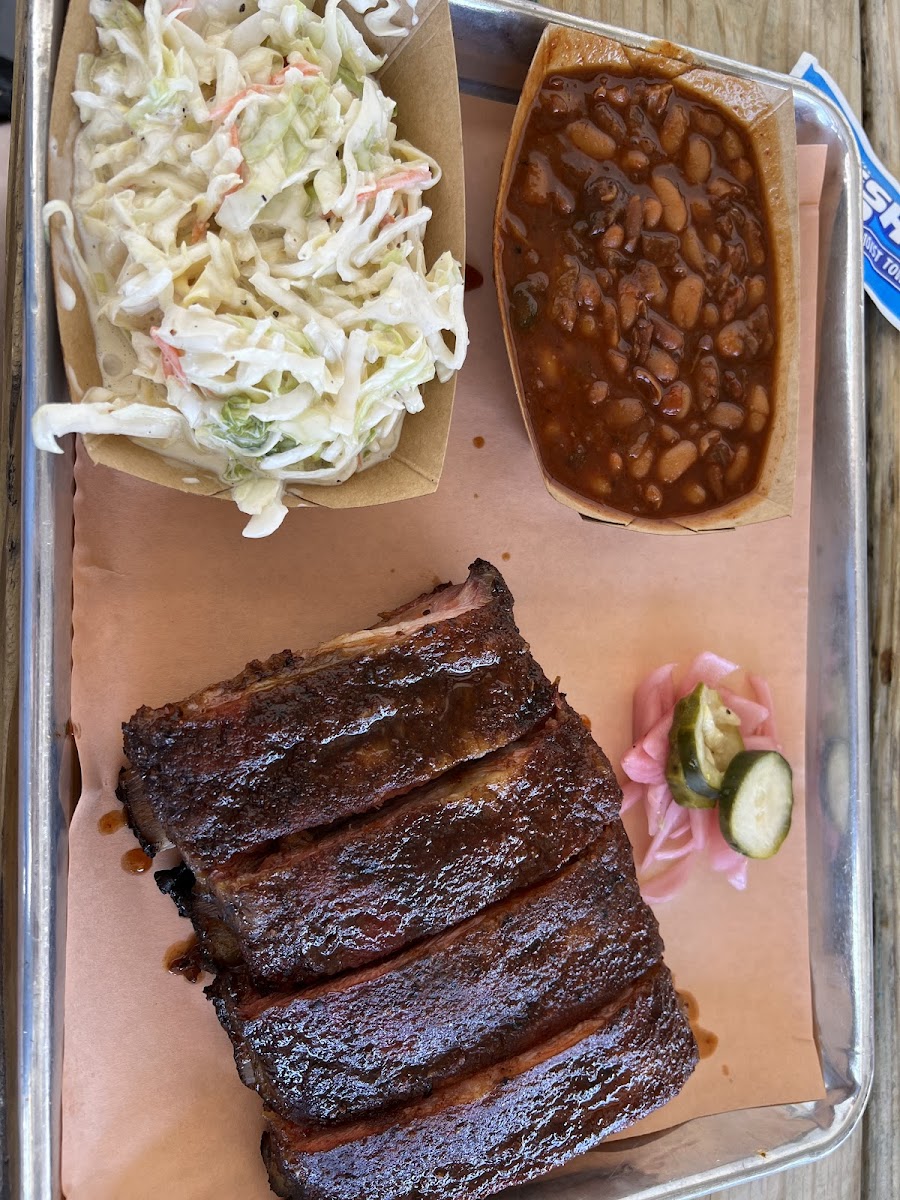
(678,836)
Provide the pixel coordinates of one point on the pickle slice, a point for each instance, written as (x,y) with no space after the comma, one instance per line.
(704,738)
(756,802)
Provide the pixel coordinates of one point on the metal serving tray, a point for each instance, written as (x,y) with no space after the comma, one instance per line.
(495,41)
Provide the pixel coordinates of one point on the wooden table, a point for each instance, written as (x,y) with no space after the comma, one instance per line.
(844,36)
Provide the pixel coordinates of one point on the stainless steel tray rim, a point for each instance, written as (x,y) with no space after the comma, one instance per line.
(46,528)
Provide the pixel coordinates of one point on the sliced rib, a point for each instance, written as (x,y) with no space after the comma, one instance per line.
(307,740)
(428,862)
(508,1123)
(503,981)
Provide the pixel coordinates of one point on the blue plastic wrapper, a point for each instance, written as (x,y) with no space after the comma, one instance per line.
(881,203)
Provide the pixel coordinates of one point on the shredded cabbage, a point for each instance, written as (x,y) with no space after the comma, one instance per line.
(248,219)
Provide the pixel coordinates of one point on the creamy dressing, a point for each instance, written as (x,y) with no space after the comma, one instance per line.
(380,22)
(68,248)
(181,450)
(66,294)
(227,367)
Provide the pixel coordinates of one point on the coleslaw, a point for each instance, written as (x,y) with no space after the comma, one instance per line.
(247,227)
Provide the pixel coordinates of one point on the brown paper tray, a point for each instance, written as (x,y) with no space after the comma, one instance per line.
(423,60)
(765,111)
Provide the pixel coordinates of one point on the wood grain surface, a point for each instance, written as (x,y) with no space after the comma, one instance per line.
(10,440)
(881,118)
(860,47)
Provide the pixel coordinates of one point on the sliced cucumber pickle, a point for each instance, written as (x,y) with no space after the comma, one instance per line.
(704,738)
(756,803)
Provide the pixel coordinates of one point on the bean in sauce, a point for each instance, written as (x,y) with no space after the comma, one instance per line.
(635,254)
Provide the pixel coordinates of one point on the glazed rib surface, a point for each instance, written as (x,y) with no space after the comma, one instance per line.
(302,741)
(507,1124)
(428,862)
(504,980)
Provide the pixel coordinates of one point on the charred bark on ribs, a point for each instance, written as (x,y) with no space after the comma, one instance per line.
(404,861)
(302,741)
(435,857)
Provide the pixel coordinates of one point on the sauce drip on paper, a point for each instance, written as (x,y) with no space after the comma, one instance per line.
(474,278)
(183,958)
(136,862)
(707,1042)
(111,821)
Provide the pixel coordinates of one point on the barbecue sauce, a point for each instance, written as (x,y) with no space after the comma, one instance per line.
(136,862)
(474,278)
(184,958)
(707,1042)
(112,821)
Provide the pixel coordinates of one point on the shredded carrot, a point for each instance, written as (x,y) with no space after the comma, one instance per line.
(275,84)
(242,169)
(235,187)
(170,355)
(400,179)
